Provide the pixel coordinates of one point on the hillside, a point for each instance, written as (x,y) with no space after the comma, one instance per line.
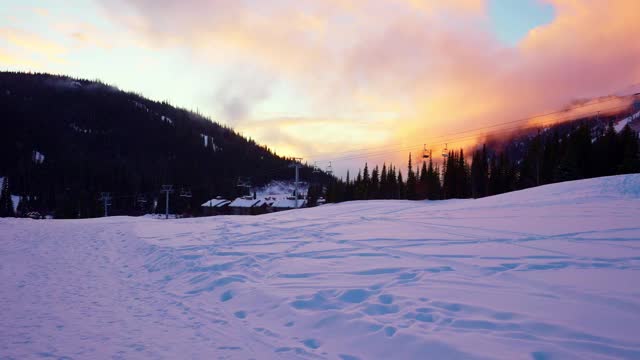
(64,141)
(526,157)
(543,273)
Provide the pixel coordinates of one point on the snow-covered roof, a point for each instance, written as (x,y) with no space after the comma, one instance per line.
(289,203)
(216,203)
(262,202)
(244,202)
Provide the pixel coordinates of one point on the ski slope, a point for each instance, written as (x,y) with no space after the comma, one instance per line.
(546,273)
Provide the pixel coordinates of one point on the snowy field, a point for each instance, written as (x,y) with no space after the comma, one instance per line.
(546,273)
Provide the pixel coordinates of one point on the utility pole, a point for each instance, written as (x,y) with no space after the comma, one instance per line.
(167,189)
(296,164)
(106,199)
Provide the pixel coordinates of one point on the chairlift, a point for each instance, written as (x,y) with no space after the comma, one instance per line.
(426,153)
(329,169)
(316,169)
(445,152)
(185,193)
(243,182)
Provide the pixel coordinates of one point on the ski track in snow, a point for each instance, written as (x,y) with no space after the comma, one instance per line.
(546,273)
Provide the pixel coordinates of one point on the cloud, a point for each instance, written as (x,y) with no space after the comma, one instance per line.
(239,92)
(33,42)
(41,12)
(430,67)
(86,35)
(11,60)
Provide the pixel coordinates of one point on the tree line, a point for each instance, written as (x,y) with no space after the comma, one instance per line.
(584,150)
(64,141)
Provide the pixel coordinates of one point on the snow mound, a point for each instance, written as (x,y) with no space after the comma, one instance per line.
(545,273)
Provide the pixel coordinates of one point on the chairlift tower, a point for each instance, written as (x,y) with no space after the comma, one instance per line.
(296,164)
(167,189)
(105,197)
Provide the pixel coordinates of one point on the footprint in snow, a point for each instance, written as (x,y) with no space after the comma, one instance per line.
(348,357)
(390,331)
(311,343)
(226,296)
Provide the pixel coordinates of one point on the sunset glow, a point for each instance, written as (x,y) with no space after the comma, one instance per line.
(317,79)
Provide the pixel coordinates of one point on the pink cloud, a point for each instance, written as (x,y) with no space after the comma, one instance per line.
(431,67)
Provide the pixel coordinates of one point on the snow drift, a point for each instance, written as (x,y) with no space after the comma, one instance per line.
(545,273)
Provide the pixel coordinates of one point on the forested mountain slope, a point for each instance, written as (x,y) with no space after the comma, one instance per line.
(64,141)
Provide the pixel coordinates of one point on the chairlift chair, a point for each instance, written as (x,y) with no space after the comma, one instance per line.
(445,152)
(426,153)
(185,193)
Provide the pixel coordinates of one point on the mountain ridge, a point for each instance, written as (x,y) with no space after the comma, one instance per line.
(66,140)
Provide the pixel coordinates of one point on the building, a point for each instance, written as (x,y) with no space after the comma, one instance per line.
(247,205)
(288,203)
(217,206)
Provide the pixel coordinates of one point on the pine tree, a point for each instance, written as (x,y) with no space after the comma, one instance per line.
(392,191)
(630,147)
(401,187)
(435,185)
(463,182)
(412,183)
(530,168)
(576,162)
(348,188)
(479,173)
(366,182)
(358,187)
(6,204)
(374,189)
(550,158)
(607,150)
(423,181)
(450,176)
(384,182)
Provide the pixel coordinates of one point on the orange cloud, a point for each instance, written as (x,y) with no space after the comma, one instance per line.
(11,60)
(433,68)
(32,42)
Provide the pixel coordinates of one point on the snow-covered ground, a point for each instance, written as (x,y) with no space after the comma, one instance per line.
(547,273)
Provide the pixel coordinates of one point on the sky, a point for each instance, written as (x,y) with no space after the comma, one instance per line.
(346,81)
